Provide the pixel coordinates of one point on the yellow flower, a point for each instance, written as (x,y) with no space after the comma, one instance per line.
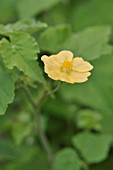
(64,67)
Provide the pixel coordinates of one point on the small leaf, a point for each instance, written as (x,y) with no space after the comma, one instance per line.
(89,119)
(68,159)
(7,82)
(22,53)
(93,147)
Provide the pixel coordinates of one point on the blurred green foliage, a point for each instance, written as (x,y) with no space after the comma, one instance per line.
(78,119)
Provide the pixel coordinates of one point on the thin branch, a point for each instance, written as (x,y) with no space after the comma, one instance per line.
(49,93)
(54,90)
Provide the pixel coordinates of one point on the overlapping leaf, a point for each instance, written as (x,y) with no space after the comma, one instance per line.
(90,43)
(22,53)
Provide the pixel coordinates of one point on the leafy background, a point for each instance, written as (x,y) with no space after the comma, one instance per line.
(78,119)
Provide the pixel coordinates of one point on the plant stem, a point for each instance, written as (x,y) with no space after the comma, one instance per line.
(37,118)
(45,94)
(54,90)
(38,127)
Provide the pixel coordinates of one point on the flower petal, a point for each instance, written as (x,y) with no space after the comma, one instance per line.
(54,74)
(58,75)
(50,62)
(66,77)
(64,56)
(81,66)
(79,77)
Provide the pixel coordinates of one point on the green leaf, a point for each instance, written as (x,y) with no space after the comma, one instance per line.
(28,25)
(68,159)
(34,7)
(22,53)
(53,38)
(93,147)
(7,82)
(96,93)
(90,43)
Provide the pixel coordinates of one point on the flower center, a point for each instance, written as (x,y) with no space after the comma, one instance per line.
(66,66)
